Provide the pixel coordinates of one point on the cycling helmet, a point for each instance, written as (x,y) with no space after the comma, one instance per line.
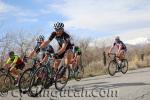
(11,53)
(58,25)
(41,37)
(117,38)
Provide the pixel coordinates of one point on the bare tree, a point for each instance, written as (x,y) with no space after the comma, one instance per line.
(84,44)
(24,42)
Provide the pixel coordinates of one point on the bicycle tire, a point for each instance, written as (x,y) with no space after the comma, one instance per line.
(124,69)
(109,68)
(59,77)
(33,81)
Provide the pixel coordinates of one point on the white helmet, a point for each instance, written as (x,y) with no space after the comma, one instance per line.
(58,25)
(117,38)
(41,37)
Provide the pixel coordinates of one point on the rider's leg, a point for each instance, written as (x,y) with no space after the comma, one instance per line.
(122,54)
(19,68)
(56,65)
(44,59)
(78,59)
(74,61)
(15,72)
(68,57)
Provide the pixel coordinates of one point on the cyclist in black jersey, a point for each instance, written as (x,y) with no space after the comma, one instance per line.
(45,52)
(65,45)
(122,49)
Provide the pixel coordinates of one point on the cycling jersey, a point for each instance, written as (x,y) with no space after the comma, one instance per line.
(61,39)
(48,49)
(123,46)
(14,59)
(77,50)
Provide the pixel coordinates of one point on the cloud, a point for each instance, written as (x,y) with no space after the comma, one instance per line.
(22,15)
(23,20)
(4,8)
(104,16)
(130,37)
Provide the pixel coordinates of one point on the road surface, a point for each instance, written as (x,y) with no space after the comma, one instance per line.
(134,85)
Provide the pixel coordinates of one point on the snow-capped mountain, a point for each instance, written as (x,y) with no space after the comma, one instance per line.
(139,41)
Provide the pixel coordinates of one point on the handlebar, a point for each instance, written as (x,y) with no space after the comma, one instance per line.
(114,54)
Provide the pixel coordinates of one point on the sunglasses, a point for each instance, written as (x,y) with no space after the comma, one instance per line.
(58,30)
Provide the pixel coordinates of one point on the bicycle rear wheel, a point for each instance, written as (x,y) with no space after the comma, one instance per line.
(79,72)
(62,77)
(112,68)
(124,67)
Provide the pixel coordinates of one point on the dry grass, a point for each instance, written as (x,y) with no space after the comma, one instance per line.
(94,69)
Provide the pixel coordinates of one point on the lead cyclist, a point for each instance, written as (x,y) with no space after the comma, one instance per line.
(65,45)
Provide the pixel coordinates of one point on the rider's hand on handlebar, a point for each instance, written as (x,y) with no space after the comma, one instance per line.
(55,56)
(109,54)
(25,59)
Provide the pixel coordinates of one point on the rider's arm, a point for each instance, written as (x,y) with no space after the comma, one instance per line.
(16,59)
(34,51)
(31,54)
(45,43)
(7,62)
(120,46)
(14,62)
(45,58)
(63,48)
(64,45)
(111,49)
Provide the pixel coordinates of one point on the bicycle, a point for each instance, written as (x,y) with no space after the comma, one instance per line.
(2,70)
(25,78)
(44,77)
(116,65)
(77,70)
(7,80)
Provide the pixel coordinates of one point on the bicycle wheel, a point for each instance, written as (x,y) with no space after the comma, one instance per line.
(112,68)
(79,72)
(38,81)
(62,77)
(25,79)
(6,82)
(2,70)
(124,67)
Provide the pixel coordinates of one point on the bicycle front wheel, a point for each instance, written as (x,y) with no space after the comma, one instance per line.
(6,82)
(62,77)
(79,72)
(38,81)
(112,68)
(124,67)
(24,80)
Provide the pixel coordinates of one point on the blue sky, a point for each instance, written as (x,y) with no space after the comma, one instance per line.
(96,19)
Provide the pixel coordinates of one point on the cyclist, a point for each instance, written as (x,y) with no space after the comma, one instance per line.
(122,49)
(65,45)
(77,55)
(14,63)
(44,52)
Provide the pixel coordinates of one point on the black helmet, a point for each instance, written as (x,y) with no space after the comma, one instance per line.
(58,25)
(11,53)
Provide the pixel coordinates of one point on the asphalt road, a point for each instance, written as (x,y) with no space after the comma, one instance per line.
(134,85)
